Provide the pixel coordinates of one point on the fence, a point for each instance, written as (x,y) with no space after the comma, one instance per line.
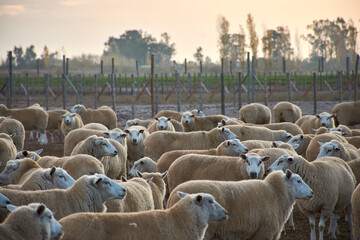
(175,88)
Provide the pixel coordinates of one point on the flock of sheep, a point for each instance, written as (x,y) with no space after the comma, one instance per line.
(180,175)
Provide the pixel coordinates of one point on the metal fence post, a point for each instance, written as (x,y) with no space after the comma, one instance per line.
(200,93)
(289,87)
(340,79)
(222,88)
(314,79)
(133,94)
(156,110)
(265,87)
(9,82)
(239,82)
(46,92)
(27,89)
(96,90)
(64,83)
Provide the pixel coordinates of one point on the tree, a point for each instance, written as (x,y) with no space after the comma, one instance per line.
(30,56)
(268,45)
(298,55)
(241,46)
(199,56)
(224,43)
(18,53)
(254,39)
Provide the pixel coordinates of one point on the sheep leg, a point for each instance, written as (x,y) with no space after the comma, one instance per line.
(324,215)
(43,139)
(312,227)
(333,227)
(349,214)
(31,135)
(291,221)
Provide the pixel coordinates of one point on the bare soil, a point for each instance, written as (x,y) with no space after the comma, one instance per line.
(124,113)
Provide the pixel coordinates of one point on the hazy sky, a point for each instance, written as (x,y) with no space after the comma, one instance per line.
(83,26)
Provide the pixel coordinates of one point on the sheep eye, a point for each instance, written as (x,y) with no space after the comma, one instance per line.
(61,176)
(298,181)
(280,162)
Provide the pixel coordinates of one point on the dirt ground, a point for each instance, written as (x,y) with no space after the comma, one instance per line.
(144,112)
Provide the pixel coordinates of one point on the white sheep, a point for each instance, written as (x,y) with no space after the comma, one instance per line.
(95,126)
(345,130)
(136,136)
(29,154)
(255,113)
(229,121)
(31,222)
(116,166)
(138,122)
(255,144)
(70,121)
(138,197)
(258,209)
(347,113)
(77,165)
(245,132)
(80,134)
(161,124)
(144,164)
(7,150)
(87,194)
(309,122)
(355,141)
(160,142)
(196,167)
(95,146)
(103,115)
(194,212)
(355,204)
(286,112)
(42,179)
(17,171)
(302,142)
(314,147)
(355,167)
(191,122)
(332,181)
(157,185)
(32,118)
(335,148)
(11,126)
(177,115)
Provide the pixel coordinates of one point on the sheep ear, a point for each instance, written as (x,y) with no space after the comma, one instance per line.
(227,143)
(288,136)
(25,153)
(106,134)
(142,162)
(223,122)
(14,165)
(149,179)
(41,209)
(139,174)
(156,119)
(332,115)
(164,174)
(12,135)
(169,119)
(141,131)
(123,135)
(317,115)
(274,145)
(32,158)
(222,129)
(288,174)
(181,194)
(62,116)
(39,151)
(295,146)
(127,131)
(290,159)
(265,158)
(243,156)
(199,199)
(11,207)
(320,143)
(97,180)
(123,179)
(301,136)
(52,171)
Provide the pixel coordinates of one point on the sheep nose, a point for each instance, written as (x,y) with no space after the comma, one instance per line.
(323,124)
(7,202)
(246,150)
(253,175)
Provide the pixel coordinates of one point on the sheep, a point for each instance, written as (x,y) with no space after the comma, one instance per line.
(229,121)
(116,166)
(34,221)
(314,147)
(286,112)
(144,164)
(138,197)
(7,150)
(103,115)
(291,128)
(80,134)
(17,171)
(29,154)
(95,126)
(345,130)
(95,146)
(347,113)
(4,201)
(191,122)
(302,142)
(194,167)
(136,136)
(77,165)
(42,179)
(309,122)
(274,153)
(11,126)
(355,204)
(138,122)
(32,118)
(255,144)
(335,148)
(355,141)
(70,121)
(161,124)
(177,115)
(332,181)
(227,148)
(160,142)
(188,219)
(54,121)
(255,113)
(87,194)
(258,209)
(355,167)
(245,132)
(157,185)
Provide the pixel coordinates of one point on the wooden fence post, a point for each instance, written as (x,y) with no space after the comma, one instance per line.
(265,87)
(9,93)
(96,90)
(356,78)
(340,82)
(222,88)
(200,92)
(289,87)
(152,86)
(239,82)
(133,94)
(46,92)
(64,83)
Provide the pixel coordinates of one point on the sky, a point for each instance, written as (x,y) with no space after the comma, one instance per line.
(73,27)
